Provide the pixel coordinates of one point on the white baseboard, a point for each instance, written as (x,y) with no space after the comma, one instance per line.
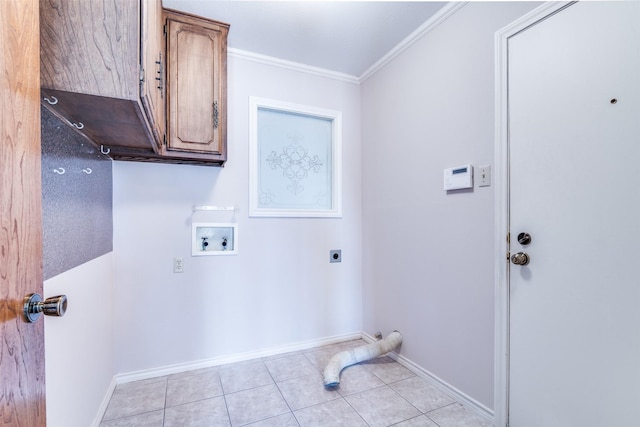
(445,387)
(232,358)
(105,403)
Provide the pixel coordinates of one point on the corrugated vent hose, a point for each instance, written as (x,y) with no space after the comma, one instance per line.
(357,355)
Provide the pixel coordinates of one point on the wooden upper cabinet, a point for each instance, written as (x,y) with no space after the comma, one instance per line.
(90,47)
(110,70)
(152,79)
(196,87)
(91,70)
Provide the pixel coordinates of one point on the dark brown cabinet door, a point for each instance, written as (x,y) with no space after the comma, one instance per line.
(197,90)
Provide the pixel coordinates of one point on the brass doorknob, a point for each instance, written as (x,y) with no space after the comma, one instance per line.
(521,258)
(34,306)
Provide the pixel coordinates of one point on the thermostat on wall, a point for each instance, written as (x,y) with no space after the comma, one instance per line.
(458,177)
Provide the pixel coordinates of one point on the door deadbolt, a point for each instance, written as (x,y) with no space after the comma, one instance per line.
(521,258)
(524,238)
(34,306)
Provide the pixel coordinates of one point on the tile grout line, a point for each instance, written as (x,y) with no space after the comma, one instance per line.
(281,395)
(164,409)
(224,398)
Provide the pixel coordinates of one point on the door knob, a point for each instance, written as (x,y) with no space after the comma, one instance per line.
(521,258)
(54,306)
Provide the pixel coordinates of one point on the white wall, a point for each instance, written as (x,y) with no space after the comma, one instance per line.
(427,255)
(418,260)
(280,289)
(79,346)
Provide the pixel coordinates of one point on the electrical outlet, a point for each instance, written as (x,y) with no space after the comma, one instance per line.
(335,255)
(178,265)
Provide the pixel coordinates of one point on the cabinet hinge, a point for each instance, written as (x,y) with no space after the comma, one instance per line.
(142,74)
(164,29)
(164,139)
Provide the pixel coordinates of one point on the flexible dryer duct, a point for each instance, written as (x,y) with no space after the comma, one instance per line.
(357,355)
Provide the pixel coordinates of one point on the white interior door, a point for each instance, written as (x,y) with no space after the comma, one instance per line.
(574,153)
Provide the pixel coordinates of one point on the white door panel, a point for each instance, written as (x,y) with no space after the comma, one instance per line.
(574,157)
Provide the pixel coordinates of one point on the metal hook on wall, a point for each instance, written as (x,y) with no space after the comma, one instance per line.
(87,171)
(102,150)
(78,125)
(59,171)
(52,101)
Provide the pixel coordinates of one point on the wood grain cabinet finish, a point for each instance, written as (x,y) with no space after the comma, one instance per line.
(196,87)
(153,57)
(90,56)
(111,72)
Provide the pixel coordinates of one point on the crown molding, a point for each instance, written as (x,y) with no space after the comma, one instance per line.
(442,15)
(290,65)
(429,25)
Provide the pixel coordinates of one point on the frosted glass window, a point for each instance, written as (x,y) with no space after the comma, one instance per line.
(295,153)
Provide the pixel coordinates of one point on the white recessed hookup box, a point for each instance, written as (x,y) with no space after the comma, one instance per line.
(458,178)
(209,238)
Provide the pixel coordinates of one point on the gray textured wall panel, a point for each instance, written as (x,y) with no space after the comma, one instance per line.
(77,209)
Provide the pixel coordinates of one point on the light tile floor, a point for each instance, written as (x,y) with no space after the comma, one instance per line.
(287,390)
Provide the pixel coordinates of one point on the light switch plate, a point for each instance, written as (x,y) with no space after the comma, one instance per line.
(484,176)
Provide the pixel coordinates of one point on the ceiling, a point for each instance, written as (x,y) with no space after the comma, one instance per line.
(341,36)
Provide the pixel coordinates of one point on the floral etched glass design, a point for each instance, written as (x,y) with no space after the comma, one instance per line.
(295,166)
(294,154)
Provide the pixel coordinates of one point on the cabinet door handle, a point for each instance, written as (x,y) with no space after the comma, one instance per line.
(215,114)
(160,74)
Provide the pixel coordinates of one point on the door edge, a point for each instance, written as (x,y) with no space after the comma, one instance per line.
(501,203)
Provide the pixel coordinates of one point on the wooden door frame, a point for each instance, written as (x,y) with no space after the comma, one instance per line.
(501,179)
